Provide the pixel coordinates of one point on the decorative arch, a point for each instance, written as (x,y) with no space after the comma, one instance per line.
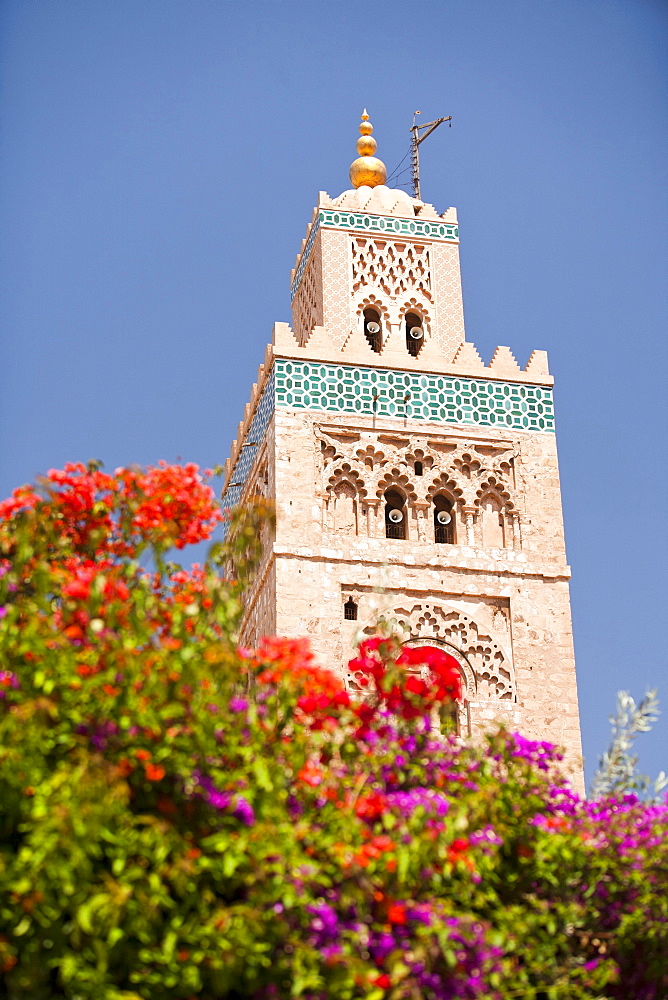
(486,666)
(495,509)
(344,491)
(370,457)
(373,302)
(345,473)
(420,307)
(422,456)
(447,485)
(395,479)
(495,486)
(467,464)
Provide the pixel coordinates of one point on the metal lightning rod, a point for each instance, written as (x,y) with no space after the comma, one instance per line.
(416,139)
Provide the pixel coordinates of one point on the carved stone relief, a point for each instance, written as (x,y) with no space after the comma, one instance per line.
(477,479)
(487,670)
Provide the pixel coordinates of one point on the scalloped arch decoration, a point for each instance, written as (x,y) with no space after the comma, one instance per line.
(395,479)
(493,673)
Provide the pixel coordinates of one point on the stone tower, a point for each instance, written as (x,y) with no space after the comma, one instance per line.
(411,480)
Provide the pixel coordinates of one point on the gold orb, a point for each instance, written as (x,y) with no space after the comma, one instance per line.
(367,170)
(366,145)
(366,128)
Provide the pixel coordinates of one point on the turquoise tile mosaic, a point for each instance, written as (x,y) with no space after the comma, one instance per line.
(391,225)
(437,398)
(443,399)
(252,442)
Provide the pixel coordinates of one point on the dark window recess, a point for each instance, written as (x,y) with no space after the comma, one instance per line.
(350,611)
(444,522)
(372,330)
(395,515)
(418,468)
(414,334)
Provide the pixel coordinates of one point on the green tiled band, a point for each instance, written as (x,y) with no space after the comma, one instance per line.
(389,224)
(437,398)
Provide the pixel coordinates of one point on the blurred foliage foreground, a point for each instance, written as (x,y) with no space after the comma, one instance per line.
(185,819)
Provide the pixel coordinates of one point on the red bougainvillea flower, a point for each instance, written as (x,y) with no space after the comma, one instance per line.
(372,806)
(404,692)
(396,913)
(291,661)
(165,505)
(23,498)
(154,772)
(170,504)
(443,668)
(311,774)
(383,981)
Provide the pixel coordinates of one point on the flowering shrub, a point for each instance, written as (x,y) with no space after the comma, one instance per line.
(183,819)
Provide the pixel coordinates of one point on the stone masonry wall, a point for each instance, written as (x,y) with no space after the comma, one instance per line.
(504,606)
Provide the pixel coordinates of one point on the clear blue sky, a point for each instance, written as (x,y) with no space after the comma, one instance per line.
(162,158)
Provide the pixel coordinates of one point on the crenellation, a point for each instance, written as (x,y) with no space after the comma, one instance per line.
(504,362)
(352,419)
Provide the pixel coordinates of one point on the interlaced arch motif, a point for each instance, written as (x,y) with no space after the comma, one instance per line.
(477,484)
(390,265)
(493,676)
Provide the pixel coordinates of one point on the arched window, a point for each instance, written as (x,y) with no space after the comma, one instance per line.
(444,521)
(372,330)
(414,333)
(350,610)
(395,515)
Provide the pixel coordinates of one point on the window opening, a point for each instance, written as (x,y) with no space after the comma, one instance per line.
(372,330)
(418,468)
(395,515)
(414,334)
(350,611)
(444,523)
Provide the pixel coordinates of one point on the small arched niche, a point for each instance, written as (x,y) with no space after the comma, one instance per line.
(373,329)
(493,522)
(444,520)
(395,514)
(414,333)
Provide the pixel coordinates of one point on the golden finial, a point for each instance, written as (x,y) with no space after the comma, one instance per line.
(367,169)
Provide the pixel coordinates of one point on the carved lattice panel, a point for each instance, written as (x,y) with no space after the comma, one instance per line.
(397,268)
(491,666)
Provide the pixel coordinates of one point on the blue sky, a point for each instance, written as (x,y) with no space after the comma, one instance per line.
(161,163)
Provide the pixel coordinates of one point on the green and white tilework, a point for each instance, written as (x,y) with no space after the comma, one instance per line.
(441,399)
(389,224)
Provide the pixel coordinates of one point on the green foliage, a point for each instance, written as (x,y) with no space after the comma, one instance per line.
(182,819)
(618,768)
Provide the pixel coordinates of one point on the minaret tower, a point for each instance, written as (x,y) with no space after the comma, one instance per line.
(411,480)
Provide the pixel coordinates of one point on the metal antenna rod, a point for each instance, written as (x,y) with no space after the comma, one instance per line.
(416,139)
